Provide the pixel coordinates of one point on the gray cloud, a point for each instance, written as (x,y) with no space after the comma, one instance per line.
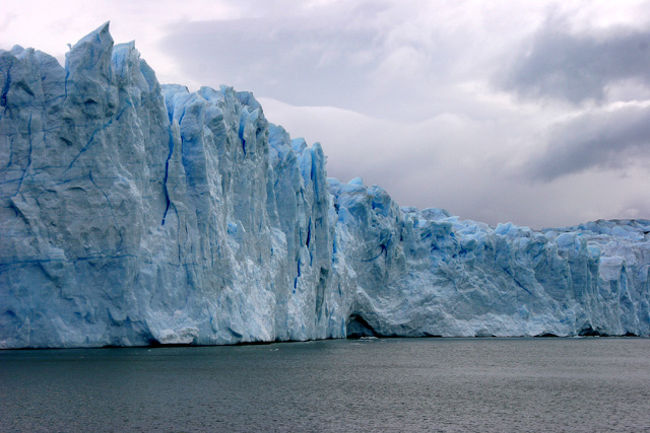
(383,58)
(305,60)
(578,67)
(598,139)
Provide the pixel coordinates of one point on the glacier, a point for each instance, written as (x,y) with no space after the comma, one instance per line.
(134,213)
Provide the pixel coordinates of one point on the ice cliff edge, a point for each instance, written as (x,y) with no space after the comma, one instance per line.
(133,213)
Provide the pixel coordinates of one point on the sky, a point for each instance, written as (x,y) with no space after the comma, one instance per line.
(534,112)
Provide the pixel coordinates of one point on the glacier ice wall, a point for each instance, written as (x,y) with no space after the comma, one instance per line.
(425,272)
(133,213)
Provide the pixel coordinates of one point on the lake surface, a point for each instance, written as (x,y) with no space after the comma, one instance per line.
(473,385)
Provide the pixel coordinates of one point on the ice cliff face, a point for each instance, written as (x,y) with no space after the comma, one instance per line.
(427,273)
(133,213)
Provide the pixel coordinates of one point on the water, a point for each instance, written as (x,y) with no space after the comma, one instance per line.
(473,385)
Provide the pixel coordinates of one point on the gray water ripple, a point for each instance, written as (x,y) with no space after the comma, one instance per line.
(384,385)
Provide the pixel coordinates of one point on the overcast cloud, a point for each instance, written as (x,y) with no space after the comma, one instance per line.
(577,67)
(531,112)
(605,139)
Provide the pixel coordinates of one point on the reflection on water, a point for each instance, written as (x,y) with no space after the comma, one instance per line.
(486,385)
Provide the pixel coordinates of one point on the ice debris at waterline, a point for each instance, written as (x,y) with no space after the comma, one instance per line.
(134,213)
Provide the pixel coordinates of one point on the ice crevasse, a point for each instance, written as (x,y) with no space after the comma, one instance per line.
(134,213)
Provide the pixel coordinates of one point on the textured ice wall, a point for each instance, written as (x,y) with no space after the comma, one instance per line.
(428,273)
(133,214)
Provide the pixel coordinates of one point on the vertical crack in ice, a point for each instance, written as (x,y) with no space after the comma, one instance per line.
(311,254)
(170,144)
(242,127)
(295,280)
(169,157)
(180,119)
(65,83)
(5,88)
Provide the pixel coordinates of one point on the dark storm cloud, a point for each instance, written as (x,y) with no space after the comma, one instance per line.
(578,67)
(601,139)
